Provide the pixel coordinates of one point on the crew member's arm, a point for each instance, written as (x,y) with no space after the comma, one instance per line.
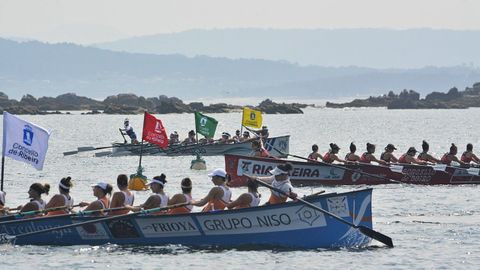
(244,199)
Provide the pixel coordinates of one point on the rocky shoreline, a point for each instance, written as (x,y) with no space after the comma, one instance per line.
(131,104)
(409,99)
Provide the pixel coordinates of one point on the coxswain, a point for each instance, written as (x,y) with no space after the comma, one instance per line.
(368,156)
(249,199)
(35,194)
(331,155)
(102,191)
(279,179)
(468,156)
(258,150)
(63,199)
(129,131)
(425,156)
(447,158)
(262,133)
(191,138)
(409,157)
(122,198)
(312,157)
(387,155)
(184,197)
(219,196)
(352,157)
(158,199)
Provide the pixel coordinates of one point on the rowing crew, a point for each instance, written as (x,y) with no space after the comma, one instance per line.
(218,198)
(387,157)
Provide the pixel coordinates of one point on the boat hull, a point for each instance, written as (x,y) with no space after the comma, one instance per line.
(290,225)
(314,173)
(243,148)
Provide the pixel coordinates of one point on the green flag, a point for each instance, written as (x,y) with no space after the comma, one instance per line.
(205,125)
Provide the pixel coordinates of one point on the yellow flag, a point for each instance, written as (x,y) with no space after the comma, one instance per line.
(252,118)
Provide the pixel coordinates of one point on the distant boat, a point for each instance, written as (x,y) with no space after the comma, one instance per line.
(209,149)
(291,225)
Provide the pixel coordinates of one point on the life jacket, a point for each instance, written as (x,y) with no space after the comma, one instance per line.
(128,200)
(68,202)
(254,202)
(327,158)
(466,159)
(276,197)
(219,204)
(184,209)
(364,159)
(446,159)
(403,159)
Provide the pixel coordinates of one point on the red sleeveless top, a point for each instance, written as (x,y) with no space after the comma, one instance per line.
(403,160)
(466,159)
(445,159)
(326,158)
(364,159)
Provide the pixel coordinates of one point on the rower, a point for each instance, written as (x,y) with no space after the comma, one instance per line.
(352,157)
(387,155)
(191,138)
(237,136)
(123,197)
(63,199)
(314,155)
(245,136)
(185,196)
(225,139)
(220,195)
(468,156)
(331,155)
(368,156)
(249,199)
(101,190)
(173,138)
(447,158)
(158,199)
(279,179)
(3,209)
(425,156)
(35,193)
(409,157)
(258,150)
(129,131)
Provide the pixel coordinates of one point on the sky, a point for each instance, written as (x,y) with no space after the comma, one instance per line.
(92,21)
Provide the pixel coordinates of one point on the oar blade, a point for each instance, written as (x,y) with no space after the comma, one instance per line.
(69,153)
(380,237)
(86,148)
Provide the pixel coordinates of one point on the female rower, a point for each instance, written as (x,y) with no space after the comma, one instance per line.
(35,193)
(191,138)
(387,155)
(468,156)
(185,196)
(314,155)
(123,197)
(425,156)
(447,158)
(158,199)
(3,209)
(279,179)
(249,199)
(368,156)
(220,195)
(258,149)
(101,190)
(352,157)
(63,199)
(331,155)
(409,157)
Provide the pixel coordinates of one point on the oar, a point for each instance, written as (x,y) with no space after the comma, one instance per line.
(35,212)
(365,230)
(92,148)
(338,167)
(5,238)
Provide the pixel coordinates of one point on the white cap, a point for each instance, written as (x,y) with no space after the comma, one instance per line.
(101,185)
(218,172)
(277,171)
(126,120)
(151,181)
(2,197)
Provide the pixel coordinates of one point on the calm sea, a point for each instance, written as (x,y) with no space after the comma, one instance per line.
(431,226)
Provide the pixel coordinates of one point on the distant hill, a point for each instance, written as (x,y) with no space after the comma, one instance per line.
(375,48)
(53,69)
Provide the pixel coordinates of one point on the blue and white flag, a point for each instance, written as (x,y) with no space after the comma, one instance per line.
(24,141)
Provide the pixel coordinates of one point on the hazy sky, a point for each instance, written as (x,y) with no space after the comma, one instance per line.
(89,21)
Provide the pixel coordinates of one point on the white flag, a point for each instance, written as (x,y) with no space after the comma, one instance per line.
(24,141)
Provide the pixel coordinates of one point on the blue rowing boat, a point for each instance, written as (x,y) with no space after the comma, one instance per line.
(290,225)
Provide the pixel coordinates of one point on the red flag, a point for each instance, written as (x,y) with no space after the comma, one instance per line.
(153,131)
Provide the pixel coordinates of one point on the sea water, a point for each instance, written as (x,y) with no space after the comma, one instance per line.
(431,226)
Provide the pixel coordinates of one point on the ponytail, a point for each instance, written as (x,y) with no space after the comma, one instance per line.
(65,184)
(40,189)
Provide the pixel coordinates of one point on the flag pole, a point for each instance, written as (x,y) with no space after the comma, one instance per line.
(241,125)
(3,167)
(141,145)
